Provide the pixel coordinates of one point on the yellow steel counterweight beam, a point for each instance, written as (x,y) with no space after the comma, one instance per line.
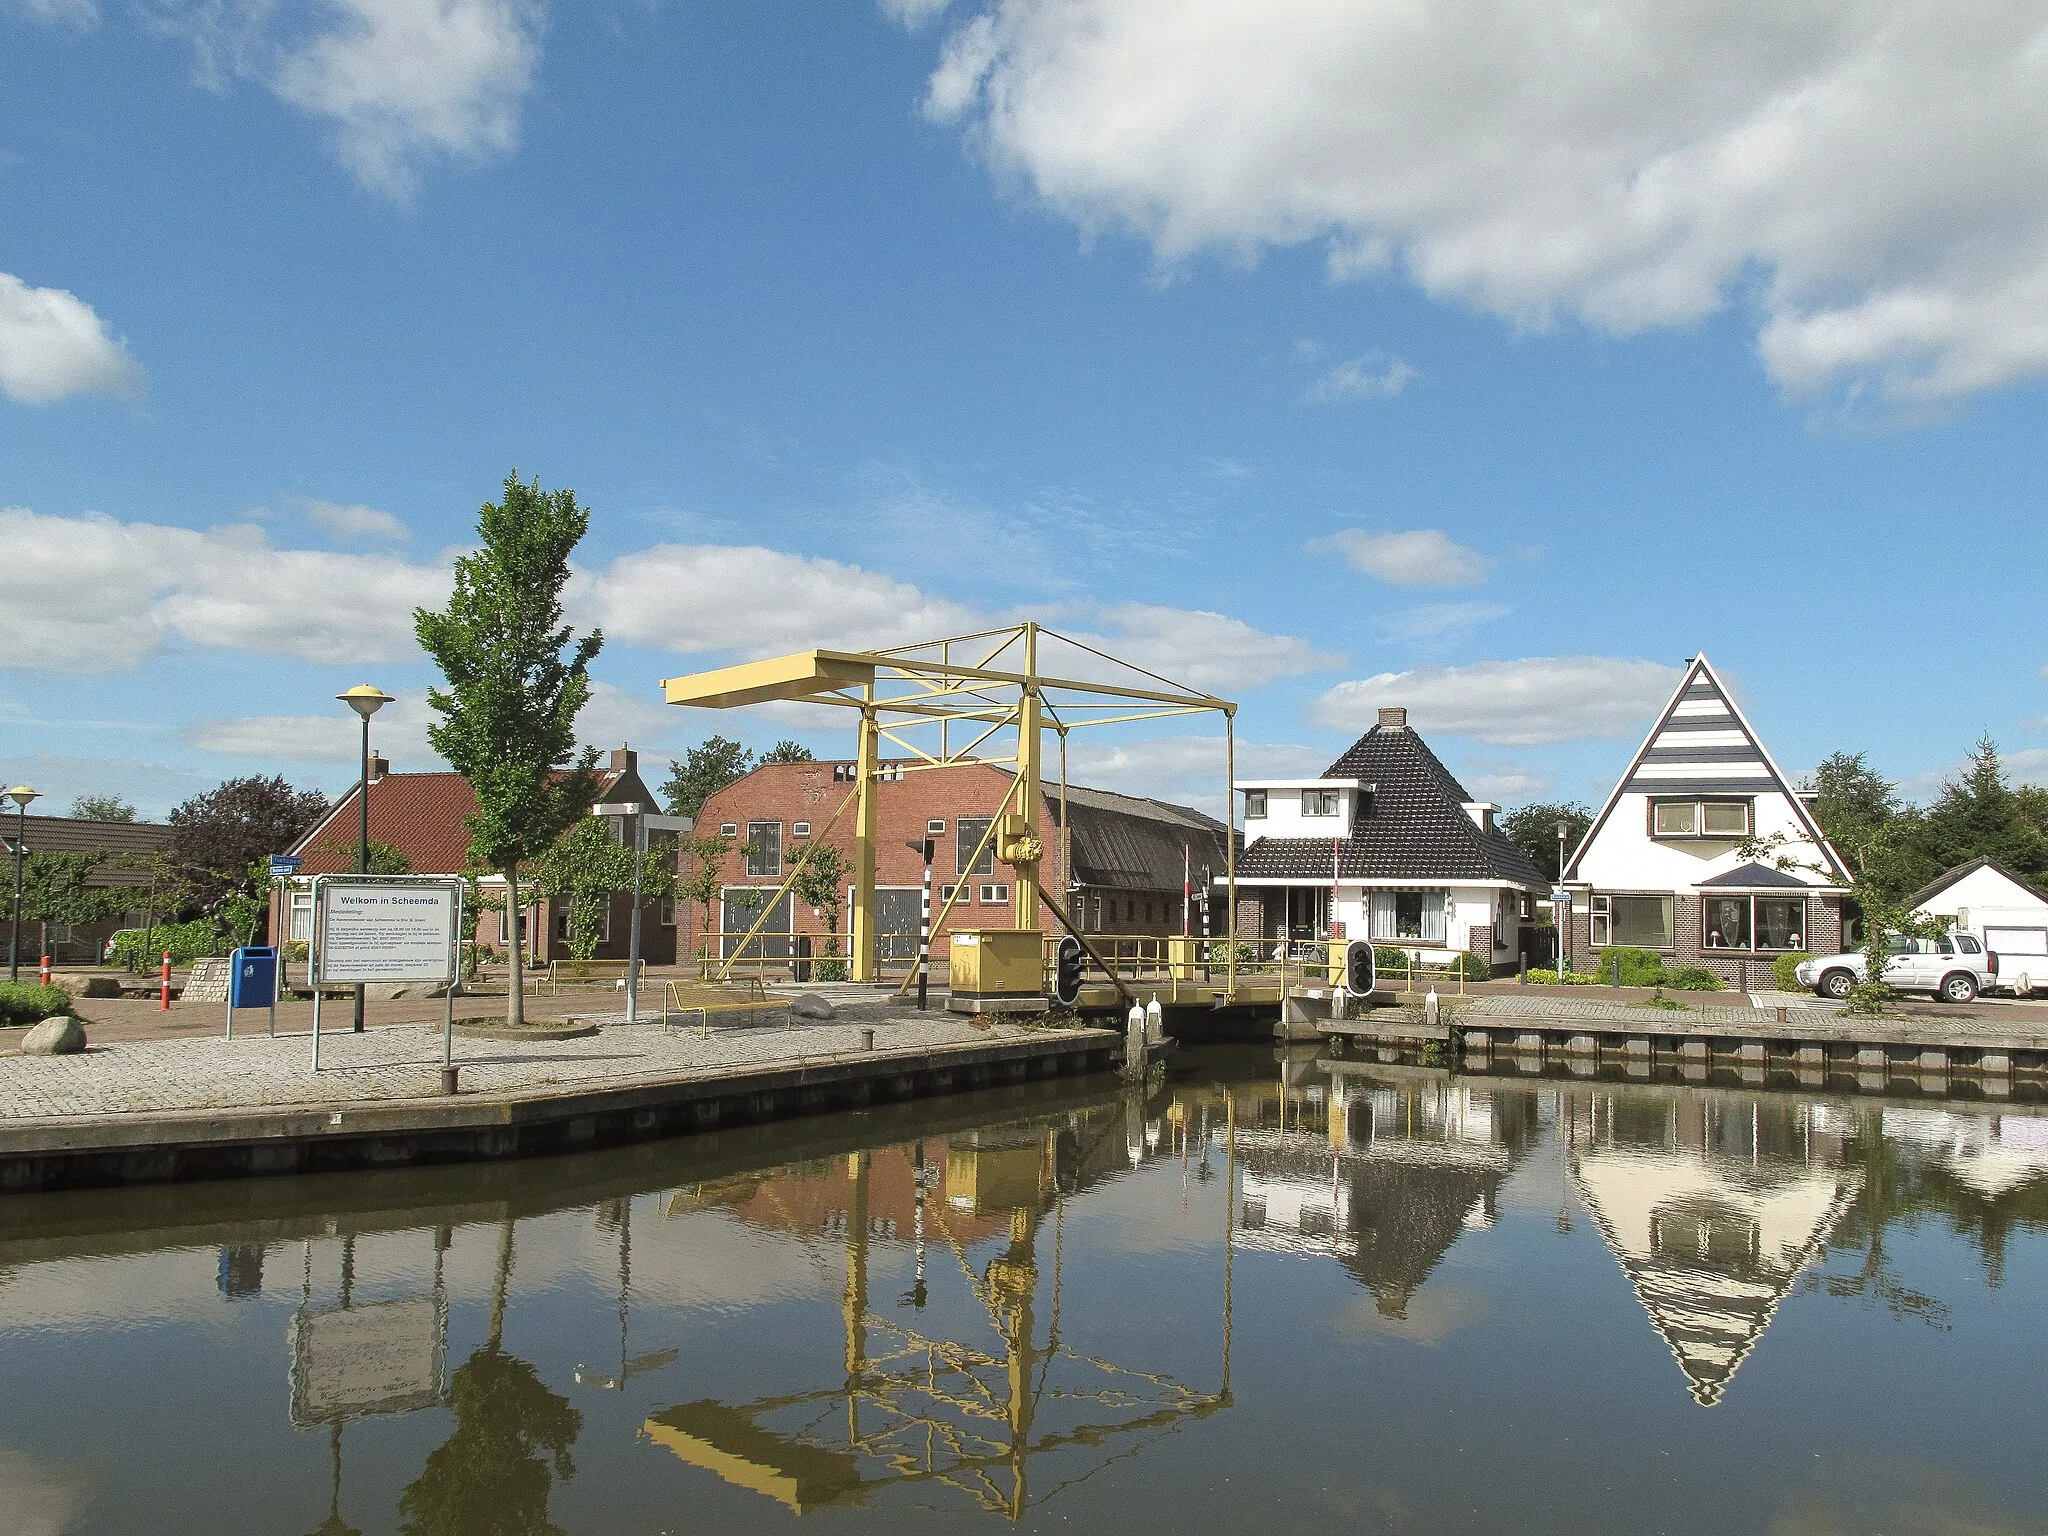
(1030,794)
(866,816)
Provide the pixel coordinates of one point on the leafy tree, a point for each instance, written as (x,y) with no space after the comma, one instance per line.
(56,888)
(385,859)
(1853,804)
(101,808)
(1979,816)
(705,769)
(819,881)
(494,1474)
(1533,829)
(787,751)
(701,885)
(215,836)
(586,868)
(508,714)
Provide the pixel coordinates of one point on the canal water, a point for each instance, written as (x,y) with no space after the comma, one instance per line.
(1266,1295)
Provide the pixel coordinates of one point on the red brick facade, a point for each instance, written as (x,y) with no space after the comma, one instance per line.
(1823,937)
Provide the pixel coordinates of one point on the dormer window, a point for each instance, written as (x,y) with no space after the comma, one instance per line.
(1319,802)
(1254,803)
(1700,818)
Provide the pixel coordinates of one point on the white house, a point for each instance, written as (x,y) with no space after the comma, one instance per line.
(2011,914)
(1662,867)
(1385,845)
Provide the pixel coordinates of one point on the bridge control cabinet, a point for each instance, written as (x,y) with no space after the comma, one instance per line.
(997,970)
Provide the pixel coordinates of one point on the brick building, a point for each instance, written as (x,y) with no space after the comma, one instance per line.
(420,814)
(127,848)
(1122,862)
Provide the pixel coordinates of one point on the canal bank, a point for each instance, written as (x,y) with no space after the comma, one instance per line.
(172,1111)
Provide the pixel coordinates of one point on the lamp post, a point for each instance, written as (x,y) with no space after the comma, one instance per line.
(21,794)
(643,823)
(1562,914)
(365,700)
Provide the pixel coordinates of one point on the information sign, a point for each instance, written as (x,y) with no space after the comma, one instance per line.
(283,865)
(400,930)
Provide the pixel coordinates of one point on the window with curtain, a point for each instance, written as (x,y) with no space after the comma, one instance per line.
(1415,916)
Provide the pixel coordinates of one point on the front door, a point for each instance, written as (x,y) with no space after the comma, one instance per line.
(898,912)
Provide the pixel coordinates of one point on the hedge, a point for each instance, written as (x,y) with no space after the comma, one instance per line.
(1639,967)
(1782,969)
(1693,978)
(24,1002)
(186,942)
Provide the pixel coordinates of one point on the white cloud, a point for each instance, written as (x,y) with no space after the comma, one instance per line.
(406,83)
(1435,623)
(1209,651)
(53,345)
(152,787)
(90,594)
(1869,174)
(1511,703)
(2027,766)
(355,521)
(1187,770)
(72,13)
(398,731)
(913,13)
(1420,557)
(1375,376)
(1503,783)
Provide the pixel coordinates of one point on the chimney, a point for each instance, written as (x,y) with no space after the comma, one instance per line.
(625,760)
(1394,717)
(1482,813)
(380,768)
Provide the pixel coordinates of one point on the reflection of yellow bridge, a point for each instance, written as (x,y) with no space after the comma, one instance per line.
(914,1409)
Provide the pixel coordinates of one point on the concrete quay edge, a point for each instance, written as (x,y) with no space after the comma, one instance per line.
(178,1145)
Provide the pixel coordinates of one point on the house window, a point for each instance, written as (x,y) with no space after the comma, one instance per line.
(946,892)
(729,829)
(994,895)
(302,917)
(799,829)
(764,847)
(1637,922)
(935,827)
(1700,818)
(1254,803)
(1414,915)
(1319,802)
(968,833)
(1096,926)
(1754,923)
(1148,911)
(604,926)
(668,912)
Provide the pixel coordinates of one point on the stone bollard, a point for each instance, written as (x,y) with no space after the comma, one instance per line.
(448,1080)
(867,1039)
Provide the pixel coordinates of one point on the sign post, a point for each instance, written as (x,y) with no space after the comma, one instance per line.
(380,928)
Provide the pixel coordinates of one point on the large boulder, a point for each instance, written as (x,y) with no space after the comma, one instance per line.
(100,986)
(812,1006)
(58,1035)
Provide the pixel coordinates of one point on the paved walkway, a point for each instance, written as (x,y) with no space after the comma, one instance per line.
(1687,1014)
(404,1061)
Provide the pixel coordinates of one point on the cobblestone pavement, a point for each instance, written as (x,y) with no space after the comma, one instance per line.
(1765,1009)
(404,1062)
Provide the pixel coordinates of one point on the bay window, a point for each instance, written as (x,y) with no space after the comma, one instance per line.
(1753,923)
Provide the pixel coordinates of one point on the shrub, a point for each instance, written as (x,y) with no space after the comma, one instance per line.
(1782,969)
(1693,978)
(1639,967)
(186,942)
(1543,978)
(24,1002)
(1473,967)
(1387,958)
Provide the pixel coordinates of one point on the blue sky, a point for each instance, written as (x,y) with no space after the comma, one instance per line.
(1323,362)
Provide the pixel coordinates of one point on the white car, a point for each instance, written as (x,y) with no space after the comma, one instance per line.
(1953,968)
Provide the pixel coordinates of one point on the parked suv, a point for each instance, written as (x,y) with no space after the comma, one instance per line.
(1953,968)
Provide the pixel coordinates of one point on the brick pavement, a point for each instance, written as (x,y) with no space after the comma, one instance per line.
(403,1062)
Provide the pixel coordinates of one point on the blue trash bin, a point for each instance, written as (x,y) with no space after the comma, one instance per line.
(252,980)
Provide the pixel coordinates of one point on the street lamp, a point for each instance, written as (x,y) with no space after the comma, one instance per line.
(642,824)
(365,700)
(21,794)
(1559,913)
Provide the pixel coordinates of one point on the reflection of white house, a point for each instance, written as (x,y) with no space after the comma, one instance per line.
(2011,914)
(1711,1244)
(1388,844)
(1991,1153)
(1661,867)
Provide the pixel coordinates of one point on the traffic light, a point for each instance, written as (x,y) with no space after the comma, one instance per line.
(1359,977)
(1068,959)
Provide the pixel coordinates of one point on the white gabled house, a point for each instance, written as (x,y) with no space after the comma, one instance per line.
(1385,845)
(1990,899)
(1661,867)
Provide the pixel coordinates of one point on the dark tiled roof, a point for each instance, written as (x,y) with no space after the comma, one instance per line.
(1749,877)
(136,840)
(1128,842)
(1418,829)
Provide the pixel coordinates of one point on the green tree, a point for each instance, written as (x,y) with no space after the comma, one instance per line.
(1853,804)
(819,882)
(585,868)
(787,751)
(706,858)
(494,1473)
(1533,829)
(1979,816)
(57,888)
(705,769)
(101,808)
(508,714)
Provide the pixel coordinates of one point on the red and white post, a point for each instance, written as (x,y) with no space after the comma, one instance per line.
(165,996)
(46,970)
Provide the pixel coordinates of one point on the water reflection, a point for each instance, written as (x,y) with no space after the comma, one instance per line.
(997,1303)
